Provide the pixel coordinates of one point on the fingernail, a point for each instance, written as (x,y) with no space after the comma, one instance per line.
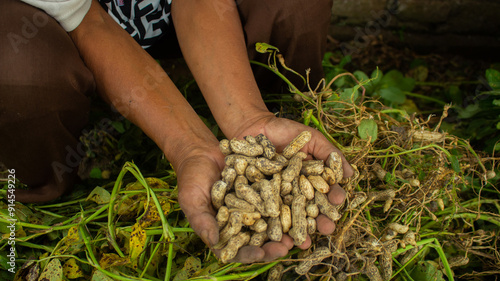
(205,238)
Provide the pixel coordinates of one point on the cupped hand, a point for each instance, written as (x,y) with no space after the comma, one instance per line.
(196,172)
(281,131)
(202,166)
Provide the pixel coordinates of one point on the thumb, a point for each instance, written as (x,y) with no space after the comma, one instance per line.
(206,227)
(199,212)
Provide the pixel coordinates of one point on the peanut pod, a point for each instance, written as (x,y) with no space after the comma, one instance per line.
(313,259)
(297,144)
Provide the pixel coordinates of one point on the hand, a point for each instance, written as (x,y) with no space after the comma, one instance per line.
(201,167)
(281,131)
(196,173)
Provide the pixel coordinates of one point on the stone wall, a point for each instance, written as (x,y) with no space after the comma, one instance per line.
(422,23)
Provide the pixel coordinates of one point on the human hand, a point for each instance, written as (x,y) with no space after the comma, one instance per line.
(196,173)
(281,131)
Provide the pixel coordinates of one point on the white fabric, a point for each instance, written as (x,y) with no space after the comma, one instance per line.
(69,13)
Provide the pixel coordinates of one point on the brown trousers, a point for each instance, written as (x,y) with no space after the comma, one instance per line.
(44,84)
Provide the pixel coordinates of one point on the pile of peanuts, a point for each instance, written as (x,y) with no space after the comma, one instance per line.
(264,194)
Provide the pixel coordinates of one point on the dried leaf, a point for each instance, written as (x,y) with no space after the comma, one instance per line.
(72,270)
(137,242)
(52,271)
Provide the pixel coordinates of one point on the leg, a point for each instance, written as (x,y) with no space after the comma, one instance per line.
(297,27)
(43,101)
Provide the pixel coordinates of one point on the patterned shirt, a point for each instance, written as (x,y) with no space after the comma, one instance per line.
(144,20)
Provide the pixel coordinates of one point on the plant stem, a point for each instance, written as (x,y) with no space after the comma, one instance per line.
(424,97)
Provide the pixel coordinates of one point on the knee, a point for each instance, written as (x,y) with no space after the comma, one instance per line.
(289,12)
(38,54)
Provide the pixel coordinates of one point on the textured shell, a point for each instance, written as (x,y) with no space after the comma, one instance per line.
(219,189)
(274,229)
(313,259)
(269,148)
(286,218)
(246,148)
(297,144)
(306,187)
(319,184)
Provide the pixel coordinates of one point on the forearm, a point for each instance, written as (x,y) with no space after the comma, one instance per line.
(212,42)
(132,81)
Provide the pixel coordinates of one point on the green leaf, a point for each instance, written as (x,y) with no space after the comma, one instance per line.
(349,95)
(455,164)
(493,77)
(496,102)
(345,60)
(99,276)
(361,76)
(368,129)
(375,78)
(95,173)
(396,79)
(497,146)
(469,111)
(427,270)
(52,271)
(118,127)
(393,95)
(265,48)
(455,95)
(99,195)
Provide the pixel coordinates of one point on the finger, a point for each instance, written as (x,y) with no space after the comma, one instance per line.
(325,225)
(287,241)
(249,254)
(336,195)
(200,214)
(274,250)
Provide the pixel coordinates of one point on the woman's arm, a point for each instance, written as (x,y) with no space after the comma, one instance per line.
(133,82)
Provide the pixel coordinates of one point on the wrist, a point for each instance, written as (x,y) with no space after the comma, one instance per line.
(190,143)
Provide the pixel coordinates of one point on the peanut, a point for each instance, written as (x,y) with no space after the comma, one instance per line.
(270,194)
(313,259)
(259,226)
(240,165)
(246,148)
(245,192)
(334,161)
(286,218)
(218,192)
(274,229)
(224,147)
(253,174)
(275,272)
(269,148)
(258,239)
(234,244)
(299,222)
(293,168)
(306,187)
(319,184)
(222,216)
(325,207)
(312,210)
(311,225)
(232,228)
(297,144)
(228,176)
(312,167)
(268,167)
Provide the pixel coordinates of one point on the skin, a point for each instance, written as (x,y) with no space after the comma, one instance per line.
(212,42)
